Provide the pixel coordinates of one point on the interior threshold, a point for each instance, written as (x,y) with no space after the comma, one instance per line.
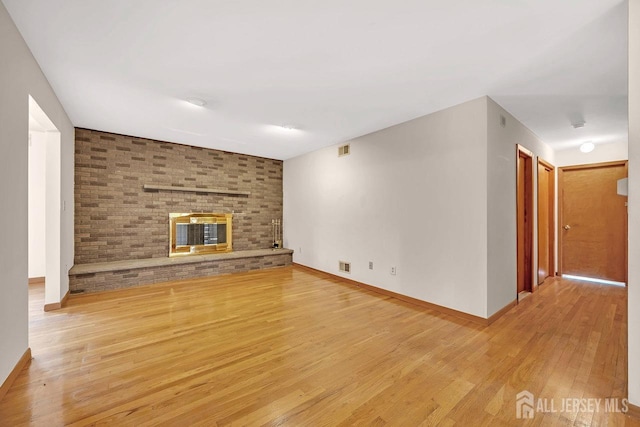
(593,279)
(522,295)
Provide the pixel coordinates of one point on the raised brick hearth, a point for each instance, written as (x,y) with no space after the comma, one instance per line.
(104,276)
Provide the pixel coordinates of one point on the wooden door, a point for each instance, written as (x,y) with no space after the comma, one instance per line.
(524,209)
(546,228)
(593,221)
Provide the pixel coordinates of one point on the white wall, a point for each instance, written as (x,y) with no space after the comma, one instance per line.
(634,203)
(55,273)
(411,196)
(20,76)
(602,153)
(434,196)
(501,203)
(37,185)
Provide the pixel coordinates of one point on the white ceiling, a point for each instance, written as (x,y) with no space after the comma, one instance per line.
(334,69)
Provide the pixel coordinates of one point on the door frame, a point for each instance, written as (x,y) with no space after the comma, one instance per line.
(552,216)
(561,170)
(522,261)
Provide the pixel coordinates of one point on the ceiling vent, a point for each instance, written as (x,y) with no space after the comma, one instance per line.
(344,150)
(345,267)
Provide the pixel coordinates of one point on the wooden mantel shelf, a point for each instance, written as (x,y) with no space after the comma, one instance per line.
(150,187)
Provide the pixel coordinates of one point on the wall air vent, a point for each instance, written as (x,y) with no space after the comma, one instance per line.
(344,150)
(345,267)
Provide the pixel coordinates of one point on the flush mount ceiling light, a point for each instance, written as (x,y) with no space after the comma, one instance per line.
(587,147)
(578,124)
(283,129)
(197,102)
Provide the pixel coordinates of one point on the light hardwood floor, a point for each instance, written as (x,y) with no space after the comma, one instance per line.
(293,347)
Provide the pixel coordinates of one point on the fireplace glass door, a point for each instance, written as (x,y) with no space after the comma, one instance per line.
(199,233)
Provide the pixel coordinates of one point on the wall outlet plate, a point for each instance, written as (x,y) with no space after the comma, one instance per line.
(393,271)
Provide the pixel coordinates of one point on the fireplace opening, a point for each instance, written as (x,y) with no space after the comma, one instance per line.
(199,233)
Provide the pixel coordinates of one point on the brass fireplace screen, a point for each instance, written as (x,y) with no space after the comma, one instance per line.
(199,233)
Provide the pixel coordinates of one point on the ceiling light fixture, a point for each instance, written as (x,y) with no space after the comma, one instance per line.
(587,147)
(578,124)
(288,130)
(197,102)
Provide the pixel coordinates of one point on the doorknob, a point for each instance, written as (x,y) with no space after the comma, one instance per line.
(566,227)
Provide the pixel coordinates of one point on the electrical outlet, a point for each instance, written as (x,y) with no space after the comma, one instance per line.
(370,265)
(300,250)
(393,271)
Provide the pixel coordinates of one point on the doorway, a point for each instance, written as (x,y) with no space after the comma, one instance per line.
(44,204)
(546,222)
(592,222)
(524,208)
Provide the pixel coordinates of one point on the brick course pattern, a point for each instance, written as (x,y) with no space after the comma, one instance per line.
(104,281)
(115,219)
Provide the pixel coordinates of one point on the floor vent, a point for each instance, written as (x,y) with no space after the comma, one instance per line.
(345,267)
(344,150)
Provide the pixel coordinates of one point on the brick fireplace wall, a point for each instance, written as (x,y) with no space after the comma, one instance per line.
(115,219)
